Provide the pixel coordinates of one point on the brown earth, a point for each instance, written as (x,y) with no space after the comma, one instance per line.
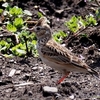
(30,69)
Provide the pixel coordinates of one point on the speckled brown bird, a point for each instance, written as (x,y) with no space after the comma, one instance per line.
(55,55)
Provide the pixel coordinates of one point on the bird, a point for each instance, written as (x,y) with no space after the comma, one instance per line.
(55,55)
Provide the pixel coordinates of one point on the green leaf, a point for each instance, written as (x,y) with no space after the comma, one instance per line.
(18,22)
(23,34)
(34,42)
(19,50)
(32,37)
(75,23)
(1,10)
(58,36)
(72,24)
(91,20)
(98,13)
(4,46)
(82,22)
(34,49)
(11,28)
(16,11)
(40,14)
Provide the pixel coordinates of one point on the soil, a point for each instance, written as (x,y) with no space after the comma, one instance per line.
(31,75)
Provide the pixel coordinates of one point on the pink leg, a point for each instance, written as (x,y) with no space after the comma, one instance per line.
(63,78)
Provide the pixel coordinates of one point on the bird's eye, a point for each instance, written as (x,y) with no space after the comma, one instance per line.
(38,28)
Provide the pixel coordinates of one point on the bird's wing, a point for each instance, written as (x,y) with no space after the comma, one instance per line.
(61,55)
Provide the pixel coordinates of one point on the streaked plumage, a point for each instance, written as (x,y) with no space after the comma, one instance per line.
(55,55)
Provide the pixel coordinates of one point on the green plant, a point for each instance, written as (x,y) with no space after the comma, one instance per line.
(15,19)
(72,24)
(19,50)
(18,22)
(98,13)
(30,41)
(40,14)
(58,36)
(15,11)
(4,46)
(1,10)
(11,28)
(91,20)
(76,23)
(32,48)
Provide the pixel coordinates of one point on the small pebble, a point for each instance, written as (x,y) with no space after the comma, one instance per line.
(35,68)
(71,97)
(11,61)
(12,72)
(36,7)
(63,45)
(36,64)
(0,57)
(18,72)
(40,69)
(9,90)
(98,49)
(50,89)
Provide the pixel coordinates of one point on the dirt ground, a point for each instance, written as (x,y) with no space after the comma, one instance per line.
(31,75)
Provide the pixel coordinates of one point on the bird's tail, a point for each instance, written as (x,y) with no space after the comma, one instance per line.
(93,73)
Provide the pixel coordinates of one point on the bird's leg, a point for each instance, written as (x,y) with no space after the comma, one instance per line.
(58,82)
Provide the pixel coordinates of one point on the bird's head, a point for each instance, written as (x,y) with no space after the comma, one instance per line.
(42,29)
(42,32)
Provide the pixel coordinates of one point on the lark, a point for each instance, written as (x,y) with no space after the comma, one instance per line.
(55,55)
